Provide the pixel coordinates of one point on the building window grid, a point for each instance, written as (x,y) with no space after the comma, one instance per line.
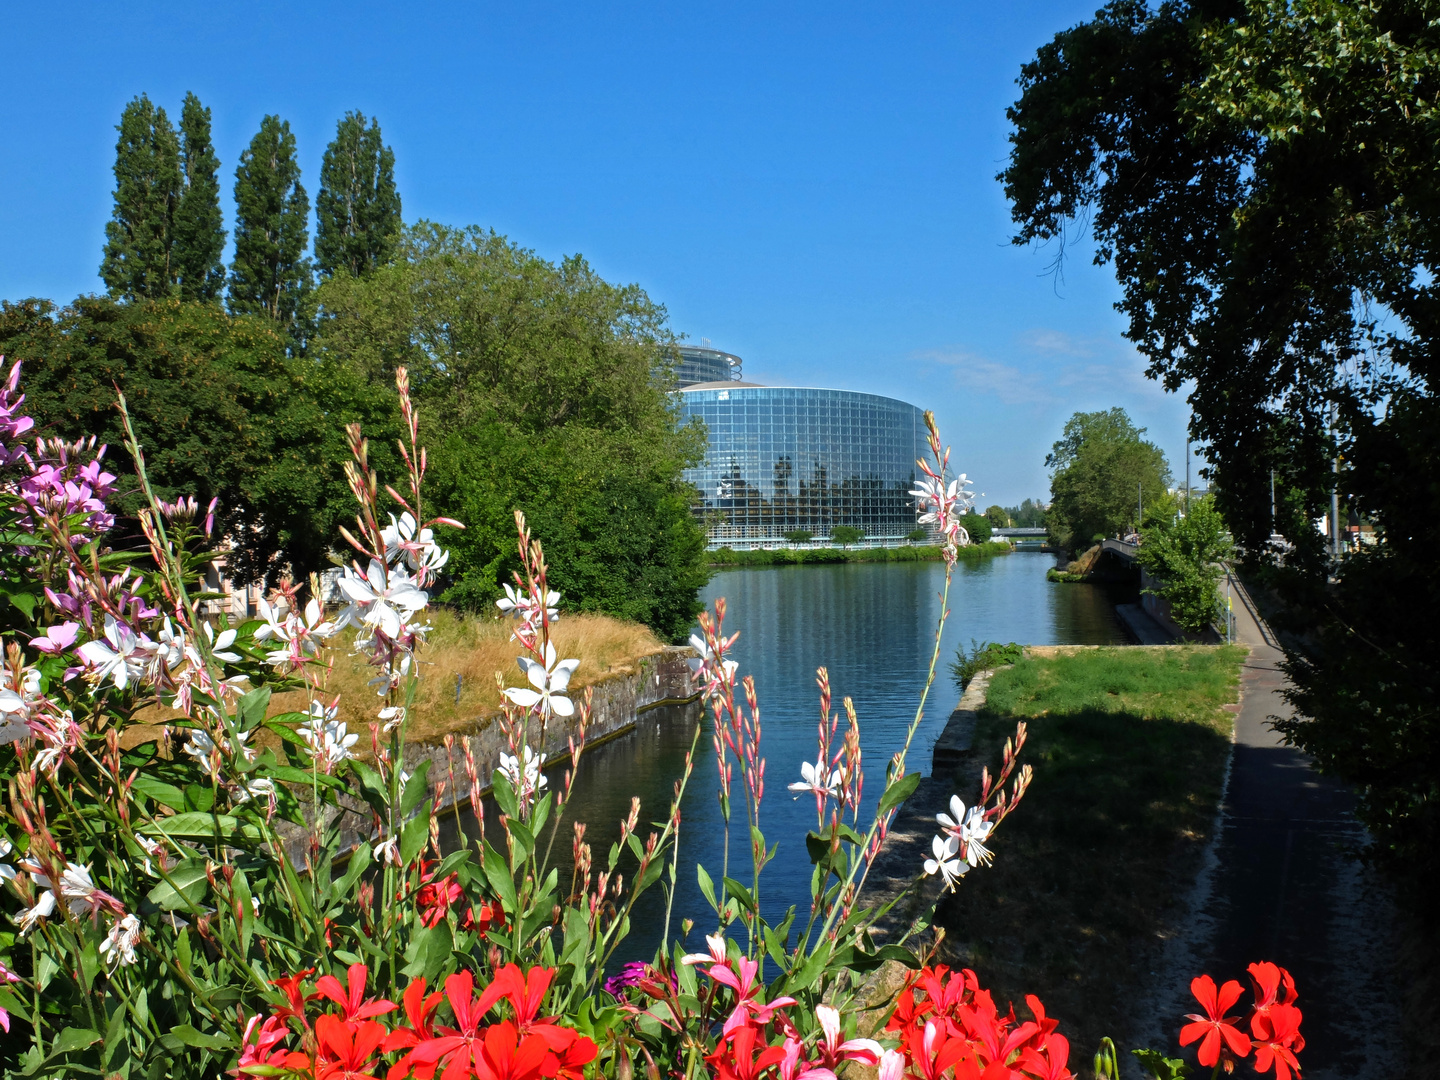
(850,461)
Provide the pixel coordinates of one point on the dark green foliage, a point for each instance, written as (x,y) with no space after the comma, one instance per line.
(357,208)
(978,526)
(538,384)
(270,275)
(1262,176)
(1101,466)
(220,407)
(845,535)
(198,229)
(982,656)
(1030,514)
(140,233)
(799,536)
(998,516)
(1185,554)
(916,536)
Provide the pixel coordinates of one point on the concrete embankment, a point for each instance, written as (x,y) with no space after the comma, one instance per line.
(663,678)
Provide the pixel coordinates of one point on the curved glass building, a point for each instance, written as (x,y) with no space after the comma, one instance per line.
(701,364)
(783,459)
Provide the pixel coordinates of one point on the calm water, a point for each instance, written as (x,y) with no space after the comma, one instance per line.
(873,626)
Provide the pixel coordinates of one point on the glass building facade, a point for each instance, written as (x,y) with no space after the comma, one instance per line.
(702,365)
(785,459)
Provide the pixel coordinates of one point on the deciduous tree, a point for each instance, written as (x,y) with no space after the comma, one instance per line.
(1102,467)
(357,208)
(1262,176)
(544,385)
(199,232)
(270,274)
(140,234)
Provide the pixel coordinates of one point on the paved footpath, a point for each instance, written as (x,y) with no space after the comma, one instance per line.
(1281,884)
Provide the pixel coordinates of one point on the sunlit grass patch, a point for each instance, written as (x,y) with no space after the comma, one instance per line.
(1129,747)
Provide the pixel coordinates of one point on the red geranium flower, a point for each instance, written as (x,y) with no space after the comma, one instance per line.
(1050,1061)
(1273,984)
(352,1001)
(346,1048)
(290,986)
(418,1010)
(434,898)
(735,1057)
(1219,1032)
(1278,1044)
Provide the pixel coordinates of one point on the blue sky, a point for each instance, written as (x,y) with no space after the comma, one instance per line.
(808,185)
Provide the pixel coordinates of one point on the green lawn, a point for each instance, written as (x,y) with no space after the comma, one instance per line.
(1129,748)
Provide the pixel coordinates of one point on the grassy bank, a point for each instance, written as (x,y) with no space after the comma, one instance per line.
(726,557)
(474,648)
(1129,747)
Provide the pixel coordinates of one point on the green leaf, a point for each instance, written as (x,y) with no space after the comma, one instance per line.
(898,792)
(497,871)
(23,601)
(186,887)
(706,886)
(72,1039)
(415,789)
(740,893)
(414,835)
(167,795)
(250,709)
(190,1037)
(1159,1066)
(428,952)
(196,825)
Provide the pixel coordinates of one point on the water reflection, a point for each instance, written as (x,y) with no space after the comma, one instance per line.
(873,626)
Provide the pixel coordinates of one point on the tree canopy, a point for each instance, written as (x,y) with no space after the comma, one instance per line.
(1262,177)
(270,274)
(198,228)
(357,209)
(140,233)
(221,411)
(1102,469)
(544,386)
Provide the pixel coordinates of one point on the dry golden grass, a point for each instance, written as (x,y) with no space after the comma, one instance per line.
(474,648)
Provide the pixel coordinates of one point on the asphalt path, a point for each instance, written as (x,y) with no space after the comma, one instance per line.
(1282,883)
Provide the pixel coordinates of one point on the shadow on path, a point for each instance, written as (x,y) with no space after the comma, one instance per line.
(1281,883)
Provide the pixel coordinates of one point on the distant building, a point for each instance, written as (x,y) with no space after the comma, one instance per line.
(785,459)
(701,364)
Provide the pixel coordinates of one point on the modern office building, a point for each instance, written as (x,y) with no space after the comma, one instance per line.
(702,364)
(783,459)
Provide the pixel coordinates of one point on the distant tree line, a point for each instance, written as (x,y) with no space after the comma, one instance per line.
(541,385)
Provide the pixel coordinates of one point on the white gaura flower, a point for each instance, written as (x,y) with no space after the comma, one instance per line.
(152,851)
(119,656)
(7,872)
(43,909)
(526,777)
(420,550)
(523,605)
(380,600)
(204,749)
(391,717)
(389,850)
(703,665)
(969,829)
(329,742)
(549,679)
(220,645)
(119,944)
(814,778)
(946,861)
(60,735)
(18,700)
(262,788)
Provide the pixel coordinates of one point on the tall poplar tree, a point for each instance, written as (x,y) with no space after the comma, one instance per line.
(139,235)
(199,233)
(270,274)
(357,208)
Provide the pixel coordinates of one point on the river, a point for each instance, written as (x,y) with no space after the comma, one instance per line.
(872,625)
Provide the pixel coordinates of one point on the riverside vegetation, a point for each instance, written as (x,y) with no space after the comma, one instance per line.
(181,905)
